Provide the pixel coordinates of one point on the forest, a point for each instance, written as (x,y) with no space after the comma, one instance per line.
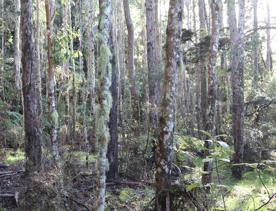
(117,105)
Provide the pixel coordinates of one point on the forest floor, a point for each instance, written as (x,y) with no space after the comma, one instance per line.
(255,189)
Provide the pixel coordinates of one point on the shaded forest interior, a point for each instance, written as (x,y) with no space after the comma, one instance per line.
(160,105)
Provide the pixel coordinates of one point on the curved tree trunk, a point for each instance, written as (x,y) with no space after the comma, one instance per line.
(164,153)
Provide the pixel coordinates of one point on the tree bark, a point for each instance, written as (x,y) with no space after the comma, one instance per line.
(90,58)
(32,124)
(17,62)
(130,59)
(237,83)
(153,60)
(52,110)
(202,66)
(164,150)
(268,42)
(104,95)
(255,40)
(216,9)
(2,80)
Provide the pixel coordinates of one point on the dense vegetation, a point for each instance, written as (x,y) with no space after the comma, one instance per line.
(137,105)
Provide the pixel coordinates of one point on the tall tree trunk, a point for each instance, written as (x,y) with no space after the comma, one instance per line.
(2,81)
(255,40)
(91,69)
(112,151)
(37,46)
(52,110)
(17,62)
(153,59)
(104,95)
(237,83)
(32,122)
(65,66)
(74,91)
(167,121)
(216,9)
(202,66)
(268,42)
(130,59)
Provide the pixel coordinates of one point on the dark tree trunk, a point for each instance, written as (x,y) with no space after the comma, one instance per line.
(112,151)
(32,122)
(237,83)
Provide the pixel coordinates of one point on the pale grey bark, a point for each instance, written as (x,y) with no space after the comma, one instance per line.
(255,43)
(202,66)
(17,52)
(268,42)
(104,96)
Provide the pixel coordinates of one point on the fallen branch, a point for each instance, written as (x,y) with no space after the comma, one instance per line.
(120,182)
(9,173)
(267,202)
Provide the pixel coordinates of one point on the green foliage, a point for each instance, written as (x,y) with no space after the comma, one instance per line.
(12,157)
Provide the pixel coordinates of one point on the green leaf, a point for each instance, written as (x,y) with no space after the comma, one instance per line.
(192,186)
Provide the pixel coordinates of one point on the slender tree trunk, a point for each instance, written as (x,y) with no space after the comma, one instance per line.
(104,95)
(153,59)
(255,40)
(52,110)
(112,152)
(17,62)
(2,80)
(130,60)
(268,42)
(37,46)
(216,9)
(202,66)
(237,83)
(90,58)
(65,65)
(164,153)
(74,91)
(32,122)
